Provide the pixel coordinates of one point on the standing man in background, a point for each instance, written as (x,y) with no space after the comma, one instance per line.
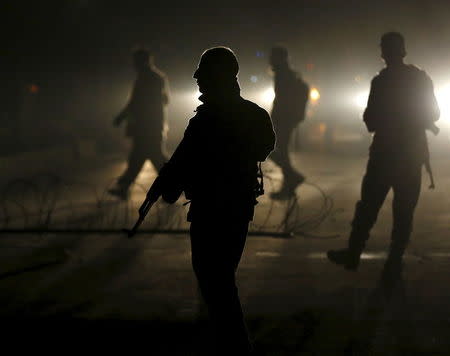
(400,108)
(146,124)
(291,97)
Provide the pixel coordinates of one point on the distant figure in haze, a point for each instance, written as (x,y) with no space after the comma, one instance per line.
(400,108)
(144,115)
(291,96)
(216,165)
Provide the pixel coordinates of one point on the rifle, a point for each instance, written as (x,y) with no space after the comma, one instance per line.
(435,130)
(152,197)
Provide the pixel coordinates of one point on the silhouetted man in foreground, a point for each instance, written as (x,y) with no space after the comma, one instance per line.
(400,108)
(216,165)
(291,96)
(144,115)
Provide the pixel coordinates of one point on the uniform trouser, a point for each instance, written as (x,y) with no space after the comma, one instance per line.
(382,174)
(142,149)
(281,154)
(216,251)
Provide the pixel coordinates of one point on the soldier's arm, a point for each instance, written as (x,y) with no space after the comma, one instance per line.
(126,110)
(165,91)
(371,114)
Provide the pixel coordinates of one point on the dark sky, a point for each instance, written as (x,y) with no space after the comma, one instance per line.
(92,33)
(82,47)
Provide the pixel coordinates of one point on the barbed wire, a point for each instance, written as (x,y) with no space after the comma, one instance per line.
(47,203)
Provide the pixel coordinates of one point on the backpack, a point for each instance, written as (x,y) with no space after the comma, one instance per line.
(301,95)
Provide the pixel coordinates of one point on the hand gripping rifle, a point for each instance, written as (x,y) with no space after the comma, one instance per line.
(152,197)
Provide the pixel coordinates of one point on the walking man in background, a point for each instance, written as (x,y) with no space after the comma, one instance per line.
(400,108)
(146,124)
(291,97)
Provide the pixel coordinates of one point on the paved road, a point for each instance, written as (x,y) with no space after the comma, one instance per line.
(97,276)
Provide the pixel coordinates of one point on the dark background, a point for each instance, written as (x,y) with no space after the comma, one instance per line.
(66,72)
(77,55)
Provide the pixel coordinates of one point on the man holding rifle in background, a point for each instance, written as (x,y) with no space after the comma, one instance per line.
(216,165)
(401,107)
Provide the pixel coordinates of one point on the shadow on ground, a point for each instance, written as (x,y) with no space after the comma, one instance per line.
(371,323)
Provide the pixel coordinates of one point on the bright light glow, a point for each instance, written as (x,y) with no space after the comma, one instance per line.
(267,96)
(360,100)
(196,95)
(322,128)
(33,88)
(314,94)
(376,255)
(188,99)
(442,97)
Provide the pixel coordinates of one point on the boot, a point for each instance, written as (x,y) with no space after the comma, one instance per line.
(392,274)
(346,258)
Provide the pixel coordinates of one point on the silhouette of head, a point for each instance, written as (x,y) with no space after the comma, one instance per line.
(392,47)
(142,59)
(218,67)
(278,57)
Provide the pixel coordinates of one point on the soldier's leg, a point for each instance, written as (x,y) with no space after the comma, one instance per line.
(374,189)
(366,213)
(216,252)
(291,178)
(157,153)
(280,154)
(406,195)
(136,160)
